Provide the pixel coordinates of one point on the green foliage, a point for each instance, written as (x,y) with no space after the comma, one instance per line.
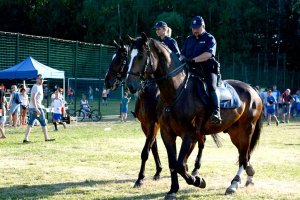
(244,27)
(174,20)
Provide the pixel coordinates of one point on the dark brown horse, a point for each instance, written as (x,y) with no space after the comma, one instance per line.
(145,110)
(183,114)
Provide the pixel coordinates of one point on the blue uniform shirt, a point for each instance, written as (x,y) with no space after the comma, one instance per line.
(172,44)
(194,47)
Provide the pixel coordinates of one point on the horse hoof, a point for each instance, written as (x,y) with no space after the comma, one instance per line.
(171,196)
(138,184)
(200,182)
(195,172)
(230,191)
(156,177)
(249,183)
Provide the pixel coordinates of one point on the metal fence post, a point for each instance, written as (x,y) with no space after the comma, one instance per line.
(75,73)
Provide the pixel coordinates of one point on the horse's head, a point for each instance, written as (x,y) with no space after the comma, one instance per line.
(144,65)
(118,68)
(139,61)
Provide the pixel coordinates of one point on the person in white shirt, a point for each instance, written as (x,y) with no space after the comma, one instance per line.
(35,109)
(57,109)
(24,106)
(84,104)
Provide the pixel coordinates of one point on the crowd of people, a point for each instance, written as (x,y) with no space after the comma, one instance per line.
(280,106)
(25,111)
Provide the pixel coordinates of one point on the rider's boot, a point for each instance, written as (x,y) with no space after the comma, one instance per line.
(215,116)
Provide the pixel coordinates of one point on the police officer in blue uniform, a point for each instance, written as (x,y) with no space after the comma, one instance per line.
(199,51)
(164,34)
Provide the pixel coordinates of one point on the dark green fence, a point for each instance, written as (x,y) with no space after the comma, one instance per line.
(85,64)
(83,60)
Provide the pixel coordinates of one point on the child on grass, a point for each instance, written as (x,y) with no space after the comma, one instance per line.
(57,105)
(124,107)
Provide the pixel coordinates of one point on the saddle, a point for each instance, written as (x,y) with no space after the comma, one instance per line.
(229,99)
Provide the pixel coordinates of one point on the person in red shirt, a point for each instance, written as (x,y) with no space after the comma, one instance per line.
(287,100)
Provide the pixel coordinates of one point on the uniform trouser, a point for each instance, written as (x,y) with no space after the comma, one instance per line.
(211,80)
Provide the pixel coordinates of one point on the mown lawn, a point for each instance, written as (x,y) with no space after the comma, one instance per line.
(101,161)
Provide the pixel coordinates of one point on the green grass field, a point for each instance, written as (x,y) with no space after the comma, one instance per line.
(101,161)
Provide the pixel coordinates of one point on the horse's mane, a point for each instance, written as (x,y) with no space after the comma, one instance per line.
(164,49)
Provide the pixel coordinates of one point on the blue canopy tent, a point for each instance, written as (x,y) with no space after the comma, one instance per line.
(29,69)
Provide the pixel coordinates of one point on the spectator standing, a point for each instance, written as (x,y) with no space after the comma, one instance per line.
(71,95)
(57,109)
(2,86)
(14,106)
(3,104)
(91,93)
(61,96)
(287,100)
(124,107)
(264,97)
(35,109)
(104,97)
(46,93)
(297,103)
(277,95)
(24,106)
(271,102)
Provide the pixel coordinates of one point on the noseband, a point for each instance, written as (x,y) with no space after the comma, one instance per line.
(149,63)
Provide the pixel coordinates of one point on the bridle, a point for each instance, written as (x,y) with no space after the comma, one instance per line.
(149,69)
(124,61)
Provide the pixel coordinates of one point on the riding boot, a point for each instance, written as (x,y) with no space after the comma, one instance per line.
(215,117)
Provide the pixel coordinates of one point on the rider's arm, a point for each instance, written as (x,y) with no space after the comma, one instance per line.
(203,57)
(209,51)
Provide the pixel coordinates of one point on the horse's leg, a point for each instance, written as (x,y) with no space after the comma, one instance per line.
(240,137)
(187,147)
(150,132)
(157,160)
(201,141)
(170,144)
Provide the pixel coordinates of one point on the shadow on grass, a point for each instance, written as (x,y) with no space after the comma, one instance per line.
(46,190)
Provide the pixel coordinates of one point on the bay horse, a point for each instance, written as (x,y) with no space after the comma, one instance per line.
(145,111)
(184,115)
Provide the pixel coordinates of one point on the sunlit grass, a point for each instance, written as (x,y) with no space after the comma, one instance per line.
(87,162)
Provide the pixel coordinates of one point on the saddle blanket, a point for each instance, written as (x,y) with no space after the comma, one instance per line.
(229,99)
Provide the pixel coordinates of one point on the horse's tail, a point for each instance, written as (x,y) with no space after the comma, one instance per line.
(216,139)
(257,132)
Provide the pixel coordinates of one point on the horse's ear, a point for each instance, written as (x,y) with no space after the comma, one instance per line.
(121,42)
(116,44)
(144,37)
(129,39)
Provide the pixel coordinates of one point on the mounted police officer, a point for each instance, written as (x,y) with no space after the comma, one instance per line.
(199,51)
(164,33)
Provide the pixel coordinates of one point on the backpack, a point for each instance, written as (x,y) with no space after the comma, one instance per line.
(17,98)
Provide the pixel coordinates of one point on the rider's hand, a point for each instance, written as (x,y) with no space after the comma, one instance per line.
(190,62)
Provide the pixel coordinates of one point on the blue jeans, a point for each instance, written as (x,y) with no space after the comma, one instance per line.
(33,116)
